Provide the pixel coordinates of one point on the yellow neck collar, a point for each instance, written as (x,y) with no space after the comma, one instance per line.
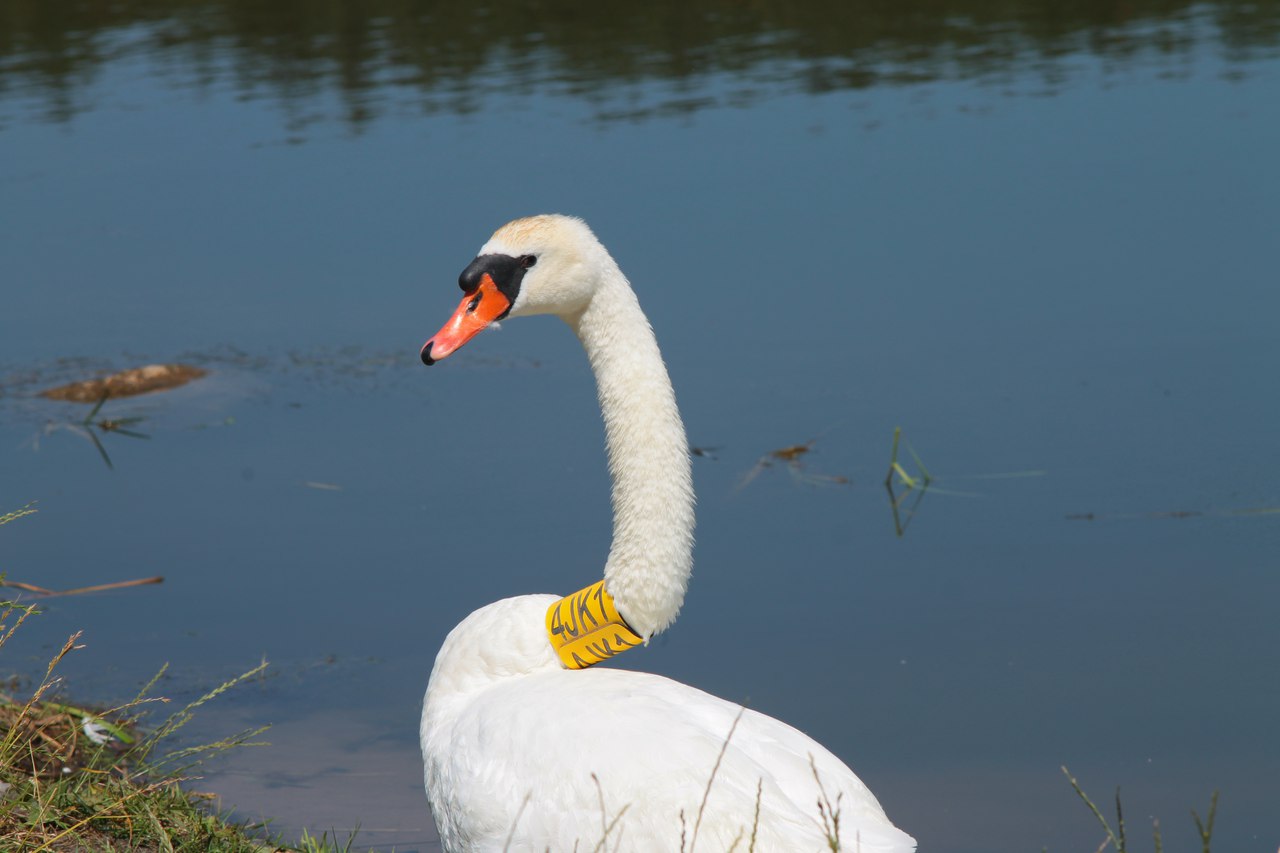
(585,628)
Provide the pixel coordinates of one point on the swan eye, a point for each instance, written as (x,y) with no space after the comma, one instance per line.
(527,261)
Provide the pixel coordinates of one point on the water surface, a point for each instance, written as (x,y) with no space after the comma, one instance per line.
(1042,243)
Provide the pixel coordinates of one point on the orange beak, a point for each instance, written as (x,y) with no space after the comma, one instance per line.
(478,308)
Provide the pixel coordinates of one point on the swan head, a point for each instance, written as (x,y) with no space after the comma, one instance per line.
(548,264)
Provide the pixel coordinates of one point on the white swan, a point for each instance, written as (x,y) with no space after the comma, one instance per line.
(522,752)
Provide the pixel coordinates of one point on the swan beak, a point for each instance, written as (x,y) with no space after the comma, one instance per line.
(478,308)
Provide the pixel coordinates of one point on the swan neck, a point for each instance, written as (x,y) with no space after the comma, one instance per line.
(651,557)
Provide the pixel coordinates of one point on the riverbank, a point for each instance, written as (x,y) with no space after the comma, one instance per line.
(75,778)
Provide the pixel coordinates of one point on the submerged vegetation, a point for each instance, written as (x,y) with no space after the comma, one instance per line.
(91,426)
(907,484)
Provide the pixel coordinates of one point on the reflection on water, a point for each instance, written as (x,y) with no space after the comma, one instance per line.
(95,429)
(426,57)
(906,492)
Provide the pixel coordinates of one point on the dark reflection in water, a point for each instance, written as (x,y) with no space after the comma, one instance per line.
(450,57)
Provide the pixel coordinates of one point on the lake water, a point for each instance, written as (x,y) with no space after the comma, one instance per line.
(1044,243)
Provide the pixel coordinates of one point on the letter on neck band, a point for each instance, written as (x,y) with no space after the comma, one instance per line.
(585,628)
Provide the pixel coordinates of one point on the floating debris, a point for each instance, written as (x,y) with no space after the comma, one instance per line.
(95,731)
(792,453)
(126,383)
(39,590)
(1174,514)
(18,513)
(791,457)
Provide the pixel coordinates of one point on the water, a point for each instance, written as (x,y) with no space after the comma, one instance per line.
(1042,244)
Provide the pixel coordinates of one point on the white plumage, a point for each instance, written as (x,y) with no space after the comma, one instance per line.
(523,754)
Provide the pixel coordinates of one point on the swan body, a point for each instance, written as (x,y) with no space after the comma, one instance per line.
(520,752)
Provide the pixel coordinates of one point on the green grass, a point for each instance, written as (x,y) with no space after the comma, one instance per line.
(76,778)
(1117,837)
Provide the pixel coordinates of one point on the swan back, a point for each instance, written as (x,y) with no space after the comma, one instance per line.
(500,640)
(551,758)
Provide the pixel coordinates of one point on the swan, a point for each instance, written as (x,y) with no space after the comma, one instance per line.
(524,747)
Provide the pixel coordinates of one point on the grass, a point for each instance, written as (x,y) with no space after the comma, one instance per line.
(918,484)
(72,778)
(75,778)
(1117,836)
(902,485)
